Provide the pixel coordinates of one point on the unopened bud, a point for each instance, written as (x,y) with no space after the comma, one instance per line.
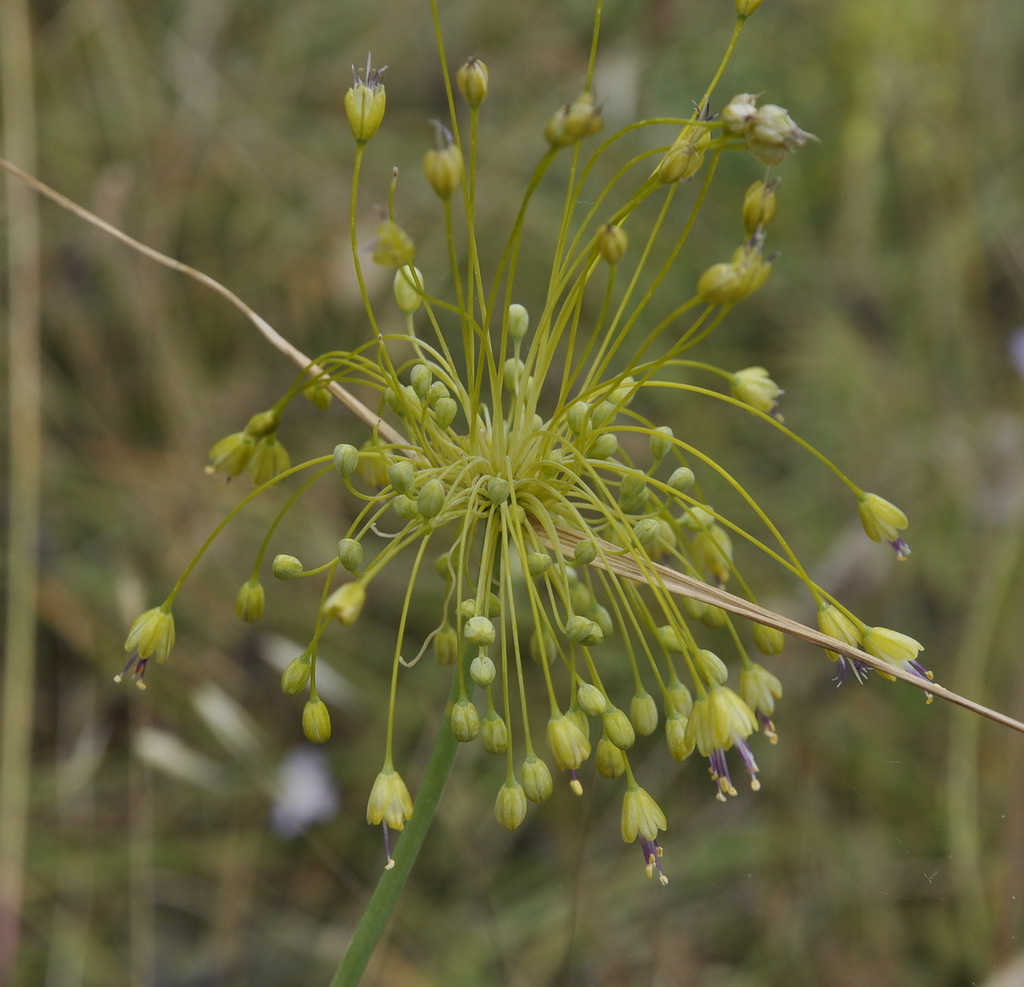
(249,601)
(612,241)
(408,289)
(295,675)
(759,205)
(286,567)
(346,459)
(472,78)
(443,165)
(465,721)
(482,671)
(431,498)
(537,783)
(350,554)
(510,805)
(345,603)
(316,722)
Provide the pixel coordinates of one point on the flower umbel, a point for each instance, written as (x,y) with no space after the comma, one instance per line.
(514,453)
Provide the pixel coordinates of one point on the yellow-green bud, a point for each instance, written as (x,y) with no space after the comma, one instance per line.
(602,414)
(567,742)
(249,601)
(316,722)
(573,122)
(317,394)
(769,640)
(611,762)
(624,392)
(471,78)
(435,392)
(286,567)
(661,442)
(345,603)
(465,721)
(498,490)
(512,373)
(694,609)
(646,531)
(295,675)
(600,616)
(603,447)
(612,242)
(401,475)
(754,387)
(389,801)
(617,728)
(408,288)
(682,479)
(641,815)
(739,112)
(576,416)
(231,454)
(744,8)
(643,713)
(444,411)
(431,498)
(479,631)
(712,552)
(713,617)
(537,563)
(670,639)
(364,103)
(684,158)
(518,320)
(393,246)
(581,596)
(481,671)
(592,700)
(585,552)
(443,166)
(350,554)
(678,699)
(372,465)
(446,645)
(510,805)
(269,459)
(346,459)
(262,424)
(759,205)
(711,667)
(420,378)
(151,634)
(583,631)
(537,783)
(405,508)
(680,745)
(494,734)
(722,284)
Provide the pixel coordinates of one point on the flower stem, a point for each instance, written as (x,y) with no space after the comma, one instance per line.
(385,897)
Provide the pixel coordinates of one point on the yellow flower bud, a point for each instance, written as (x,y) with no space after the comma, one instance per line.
(472,78)
(568,745)
(611,762)
(712,552)
(617,728)
(769,640)
(408,288)
(345,603)
(364,102)
(316,722)
(754,387)
(286,567)
(346,459)
(537,783)
(721,284)
(711,667)
(465,721)
(269,459)
(592,700)
(401,475)
(759,205)
(446,645)
(443,165)
(249,601)
(350,554)
(296,675)
(262,424)
(510,805)
(482,671)
(518,320)
(682,479)
(573,122)
(494,734)
(431,498)
(680,745)
(643,713)
(612,242)
(317,394)
(231,454)
(684,158)
(744,8)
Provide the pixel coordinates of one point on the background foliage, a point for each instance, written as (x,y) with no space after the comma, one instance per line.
(887,845)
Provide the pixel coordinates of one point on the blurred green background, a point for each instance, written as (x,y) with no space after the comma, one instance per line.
(887,844)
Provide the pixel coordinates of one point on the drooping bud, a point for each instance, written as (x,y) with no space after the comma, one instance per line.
(479,631)
(573,122)
(643,713)
(346,459)
(585,552)
(408,288)
(296,675)
(401,474)
(350,554)
(711,667)
(249,601)
(269,459)
(537,783)
(611,763)
(231,454)
(617,728)
(612,241)
(431,498)
(510,805)
(568,744)
(481,671)
(759,205)
(465,721)
(393,246)
(345,603)
(754,387)
(682,479)
(769,640)
(661,442)
(494,734)
(446,645)
(592,700)
(316,722)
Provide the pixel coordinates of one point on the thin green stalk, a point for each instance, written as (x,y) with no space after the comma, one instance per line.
(385,897)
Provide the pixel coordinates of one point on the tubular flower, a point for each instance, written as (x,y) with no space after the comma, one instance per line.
(514,455)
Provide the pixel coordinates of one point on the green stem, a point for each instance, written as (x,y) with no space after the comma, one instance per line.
(385,897)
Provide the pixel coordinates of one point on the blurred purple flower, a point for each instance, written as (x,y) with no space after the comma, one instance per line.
(306,792)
